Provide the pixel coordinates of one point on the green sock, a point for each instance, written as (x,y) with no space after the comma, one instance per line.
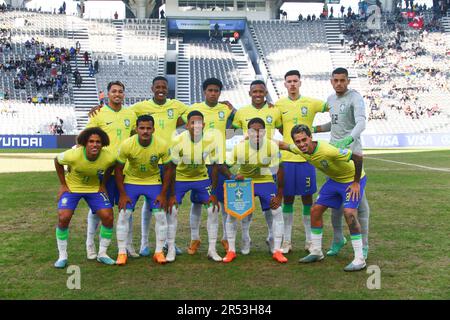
(106,232)
(62,234)
(307,210)
(288,208)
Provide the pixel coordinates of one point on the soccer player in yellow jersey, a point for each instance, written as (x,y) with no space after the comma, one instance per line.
(272,119)
(82,181)
(344,187)
(138,159)
(259,159)
(300,176)
(167,114)
(189,153)
(118,123)
(216,116)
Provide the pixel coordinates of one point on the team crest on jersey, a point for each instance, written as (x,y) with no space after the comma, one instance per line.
(127,123)
(221,115)
(269,119)
(153,159)
(324,164)
(170,113)
(342,108)
(304,111)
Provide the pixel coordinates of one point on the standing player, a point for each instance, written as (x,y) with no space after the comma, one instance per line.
(300,177)
(189,153)
(84,166)
(348,121)
(118,122)
(344,187)
(167,114)
(259,160)
(140,155)
(272,120)
(216,115)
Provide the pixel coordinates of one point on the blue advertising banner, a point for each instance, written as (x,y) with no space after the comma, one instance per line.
(206,24)
(239,199)
(28,142)
(401,140)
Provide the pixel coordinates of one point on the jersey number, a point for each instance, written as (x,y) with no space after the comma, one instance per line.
(334,118)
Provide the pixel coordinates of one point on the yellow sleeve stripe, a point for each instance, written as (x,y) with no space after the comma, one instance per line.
(120,161)
(325,107)
(169,161)
(350,153)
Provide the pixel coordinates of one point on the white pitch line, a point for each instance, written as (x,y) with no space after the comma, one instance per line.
(410,164)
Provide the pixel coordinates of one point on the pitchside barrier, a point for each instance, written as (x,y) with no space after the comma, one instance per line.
(368,141)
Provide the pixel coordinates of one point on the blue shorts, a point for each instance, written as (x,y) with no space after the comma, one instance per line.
(265,191)
(219,188)
(299,179)
(95,201)
(201,190)
(334,194)
(112,190)
(150,192)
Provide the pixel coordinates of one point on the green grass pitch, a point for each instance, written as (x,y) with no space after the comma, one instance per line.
(409,234)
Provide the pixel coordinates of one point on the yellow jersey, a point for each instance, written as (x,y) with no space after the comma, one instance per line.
(83,174)
(166,116)
(271,117)
(117,124)
(335,163)
(259,165)
(293,112)
(142,162)
(190,157)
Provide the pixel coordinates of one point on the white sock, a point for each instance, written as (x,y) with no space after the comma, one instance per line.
(269,222)
(194,220)
(122,230)
(104,244)
(172,223)
(130,232)
(357,248)
(278,228)
(92,223)
(231,233)
(62,249)
(146,220)
(160,230)
(316,242)
(212,225)
(246,222)
(224,222)
(307,225)
(336,222)
(288,220)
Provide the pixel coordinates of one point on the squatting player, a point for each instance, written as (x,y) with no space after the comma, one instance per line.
(82,181)
(138,159)
(344,187)
(190,150)
(259,108)
(258,159)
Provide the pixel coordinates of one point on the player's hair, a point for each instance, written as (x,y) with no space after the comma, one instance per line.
(299,128)
(115,83)
(193,114)
(256,120)
(255,82)
(212,81)
(340,71)
(292,73)
(84,136)
(159,78)
(144,118)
